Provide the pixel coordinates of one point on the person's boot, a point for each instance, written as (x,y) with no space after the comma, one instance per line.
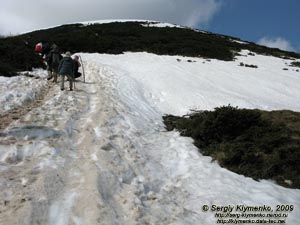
(49,75)
(55,77)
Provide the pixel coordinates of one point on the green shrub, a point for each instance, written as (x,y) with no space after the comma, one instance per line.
(295,64)
(248,65)
(258,144)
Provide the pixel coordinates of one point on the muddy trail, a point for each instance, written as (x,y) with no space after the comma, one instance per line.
(73,158)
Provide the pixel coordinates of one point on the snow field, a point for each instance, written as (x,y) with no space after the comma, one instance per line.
(150,85)
(100,154)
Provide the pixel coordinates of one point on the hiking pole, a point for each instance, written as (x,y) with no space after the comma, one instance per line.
(82,69)
(73,78)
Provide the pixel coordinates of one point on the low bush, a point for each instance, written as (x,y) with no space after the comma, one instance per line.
(251,66)
(295,64)
(248,65)
(258,144)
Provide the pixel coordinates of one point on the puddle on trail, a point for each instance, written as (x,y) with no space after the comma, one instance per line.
(31,132)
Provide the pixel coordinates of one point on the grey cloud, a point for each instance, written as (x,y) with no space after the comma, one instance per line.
(21,16)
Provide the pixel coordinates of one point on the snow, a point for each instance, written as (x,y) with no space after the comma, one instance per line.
(100,154)
(60,210)
(160,24)
(90,22)
(19,90)
(240,42)
(114,21)
(148,23)
(176,87)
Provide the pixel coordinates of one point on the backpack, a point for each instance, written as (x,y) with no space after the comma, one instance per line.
(55,58)
(45,48)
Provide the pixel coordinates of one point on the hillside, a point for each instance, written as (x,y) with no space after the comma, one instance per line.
(119,37)
(101,154)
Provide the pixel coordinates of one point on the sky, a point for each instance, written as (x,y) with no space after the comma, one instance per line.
(267,22)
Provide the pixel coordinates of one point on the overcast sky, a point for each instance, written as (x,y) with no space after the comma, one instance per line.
(268,22)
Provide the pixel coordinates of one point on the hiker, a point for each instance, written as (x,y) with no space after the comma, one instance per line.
(45,48)
(42,48)
(54,58)
(77,65)
(66,68)
(38,47)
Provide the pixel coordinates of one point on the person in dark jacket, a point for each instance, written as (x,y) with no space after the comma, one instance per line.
(66,68)
(77,65)
(45,51)
(45,48)
(53,62)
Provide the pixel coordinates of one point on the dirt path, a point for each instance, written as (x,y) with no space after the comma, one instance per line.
(76,158)
(37,152)
(64,164)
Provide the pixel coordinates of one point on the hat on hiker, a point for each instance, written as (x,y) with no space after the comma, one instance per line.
(54,46)
(38,47)
(68,54)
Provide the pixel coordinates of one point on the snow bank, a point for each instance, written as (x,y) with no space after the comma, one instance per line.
(175,84)
(174,173)
(19,90)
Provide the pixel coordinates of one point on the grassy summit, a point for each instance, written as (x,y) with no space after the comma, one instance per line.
(119,37)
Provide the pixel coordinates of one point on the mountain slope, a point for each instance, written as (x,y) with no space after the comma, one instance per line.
(100,154)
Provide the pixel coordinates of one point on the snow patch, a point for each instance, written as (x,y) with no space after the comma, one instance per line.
(60,211)
(19,90)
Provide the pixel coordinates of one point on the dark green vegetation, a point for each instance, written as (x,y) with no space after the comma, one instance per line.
(295,64)
(255,143)
(17,55)
(116,38)
(247,65)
